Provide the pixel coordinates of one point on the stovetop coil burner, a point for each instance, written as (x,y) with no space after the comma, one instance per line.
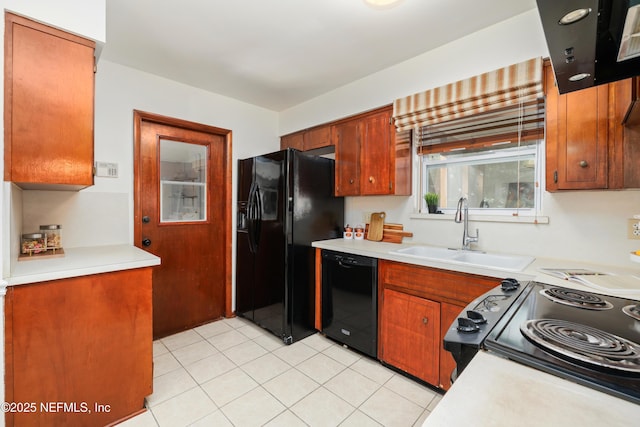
(576,342)
(632,311)
(575,298)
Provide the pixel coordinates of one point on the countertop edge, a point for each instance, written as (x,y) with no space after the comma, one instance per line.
(79,262)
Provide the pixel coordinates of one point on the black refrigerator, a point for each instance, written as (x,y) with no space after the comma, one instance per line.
(285,202)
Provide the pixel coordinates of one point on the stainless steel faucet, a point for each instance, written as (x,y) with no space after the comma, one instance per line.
(463,205)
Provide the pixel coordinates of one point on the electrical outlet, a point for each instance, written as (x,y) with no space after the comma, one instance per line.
(633,228)
(366,217)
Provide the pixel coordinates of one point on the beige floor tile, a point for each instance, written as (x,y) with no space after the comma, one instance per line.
(321,368)
(295,353)
(210,367)
(212,329)
(352,386)
(372,369)
(245,352)
(184,409)
(269,342)
(253,331)
(265,368)
(318,342)
(418,394)
(421,419)
(193,352)
(170,385)
(216,419)
(159,348)
(390,409)
(434,402)
(176,341)
(143,420)
(343,355)
(164,363)
(286,419)
(237,322)
(229,386)
(255,408)
(290,386)
(227,340)
(359,419)
(322,408)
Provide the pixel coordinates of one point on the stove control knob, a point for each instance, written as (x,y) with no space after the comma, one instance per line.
(476,317)
(467,326)
(509,284)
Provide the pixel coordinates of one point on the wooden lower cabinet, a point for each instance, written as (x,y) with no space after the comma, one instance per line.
(411,330)
(78,351)
(416,306)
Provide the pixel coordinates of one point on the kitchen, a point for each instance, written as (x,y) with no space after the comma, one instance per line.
(589,226)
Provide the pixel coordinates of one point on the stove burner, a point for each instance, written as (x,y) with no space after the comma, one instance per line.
(632,311)
(576,298)
(583,343)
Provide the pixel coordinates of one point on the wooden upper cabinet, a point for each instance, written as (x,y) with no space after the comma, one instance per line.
(310,139)
(49,106)
(586,137)
(370,157)
(346,136)
(294,140)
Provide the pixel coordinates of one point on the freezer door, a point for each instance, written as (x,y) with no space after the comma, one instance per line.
(270,173)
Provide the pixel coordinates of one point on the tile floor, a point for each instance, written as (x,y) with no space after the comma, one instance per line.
(233,373)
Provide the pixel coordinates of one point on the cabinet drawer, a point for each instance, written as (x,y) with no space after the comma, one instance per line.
(439,285)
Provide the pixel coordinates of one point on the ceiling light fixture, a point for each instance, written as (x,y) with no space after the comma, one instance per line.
(382,4)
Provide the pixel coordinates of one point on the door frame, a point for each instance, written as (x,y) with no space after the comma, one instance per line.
(138,118)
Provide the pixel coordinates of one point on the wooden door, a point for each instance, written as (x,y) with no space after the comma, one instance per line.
(182,204)
(410,332)
(347,141)
(376,155)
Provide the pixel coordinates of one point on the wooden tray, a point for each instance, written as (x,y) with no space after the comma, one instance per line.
(42,255)
(392,233)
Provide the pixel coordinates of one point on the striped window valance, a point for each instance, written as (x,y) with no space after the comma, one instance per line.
(517,83)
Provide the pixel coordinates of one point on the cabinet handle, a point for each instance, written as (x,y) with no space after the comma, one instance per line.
(583,164)
(372,179)
(351,181)
(425,320)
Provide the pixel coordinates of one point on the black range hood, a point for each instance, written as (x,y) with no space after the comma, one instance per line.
(591,42)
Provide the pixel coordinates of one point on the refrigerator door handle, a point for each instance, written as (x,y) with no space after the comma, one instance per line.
(254,215)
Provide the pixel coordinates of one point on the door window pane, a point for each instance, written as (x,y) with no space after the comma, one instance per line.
(183,181)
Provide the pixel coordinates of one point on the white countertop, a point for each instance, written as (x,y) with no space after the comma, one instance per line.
(81,262)
(381,250)
(493,391)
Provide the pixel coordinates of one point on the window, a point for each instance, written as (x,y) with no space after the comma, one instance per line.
(493,158)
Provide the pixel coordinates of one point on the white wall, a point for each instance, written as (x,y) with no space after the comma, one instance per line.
(583,225)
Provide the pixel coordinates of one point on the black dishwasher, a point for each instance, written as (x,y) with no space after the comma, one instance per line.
(350,300)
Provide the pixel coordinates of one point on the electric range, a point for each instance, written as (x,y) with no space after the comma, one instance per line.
(588,338)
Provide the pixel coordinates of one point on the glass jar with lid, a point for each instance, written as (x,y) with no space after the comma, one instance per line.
(52,235)
(33,243)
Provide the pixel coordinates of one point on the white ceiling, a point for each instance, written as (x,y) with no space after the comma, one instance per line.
(279,53)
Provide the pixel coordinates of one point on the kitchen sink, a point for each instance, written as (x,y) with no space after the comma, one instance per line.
(474,258)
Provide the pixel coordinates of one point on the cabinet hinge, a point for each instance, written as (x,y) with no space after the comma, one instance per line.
(95,65)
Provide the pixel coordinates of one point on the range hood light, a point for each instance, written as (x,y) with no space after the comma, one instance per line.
(579,76)
(574,16)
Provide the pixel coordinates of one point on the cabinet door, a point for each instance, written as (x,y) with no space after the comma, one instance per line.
(577,138)
(346,136)
(319,137)
(448,314)
(294,140)
(410,332)
(376,155)
(49,94)
(83,339)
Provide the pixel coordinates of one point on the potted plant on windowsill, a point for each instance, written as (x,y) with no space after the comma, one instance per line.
(432,201)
